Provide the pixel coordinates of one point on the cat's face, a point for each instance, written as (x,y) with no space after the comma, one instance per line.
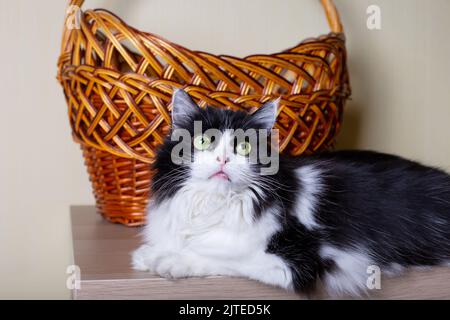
(220,158)
(217,148)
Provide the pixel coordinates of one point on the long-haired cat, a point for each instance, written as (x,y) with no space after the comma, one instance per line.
(326,217)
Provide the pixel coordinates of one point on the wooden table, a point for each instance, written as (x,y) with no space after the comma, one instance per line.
(102,252)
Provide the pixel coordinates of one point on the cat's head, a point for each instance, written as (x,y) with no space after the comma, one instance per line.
(218,149)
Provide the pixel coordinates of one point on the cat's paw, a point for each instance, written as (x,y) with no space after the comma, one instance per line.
(173,266)
(144,258)
(166,264)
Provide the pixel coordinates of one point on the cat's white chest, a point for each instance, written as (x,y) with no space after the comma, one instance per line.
(206,222)
(211,233)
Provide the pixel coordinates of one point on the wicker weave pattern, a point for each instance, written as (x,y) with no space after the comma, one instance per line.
(118,83)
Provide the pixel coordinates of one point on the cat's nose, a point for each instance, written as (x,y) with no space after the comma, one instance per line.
(222,160)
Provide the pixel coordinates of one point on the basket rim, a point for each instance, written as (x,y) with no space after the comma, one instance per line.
(329,7)
(311,39)
(334,42)
(308,40)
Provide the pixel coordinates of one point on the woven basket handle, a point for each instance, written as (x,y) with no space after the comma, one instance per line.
(330,11)
(334,21)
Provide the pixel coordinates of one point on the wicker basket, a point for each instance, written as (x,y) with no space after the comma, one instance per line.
(118,83)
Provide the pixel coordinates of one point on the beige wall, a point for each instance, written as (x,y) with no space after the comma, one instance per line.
(401,102)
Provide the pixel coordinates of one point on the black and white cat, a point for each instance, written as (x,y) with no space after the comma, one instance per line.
(326,217)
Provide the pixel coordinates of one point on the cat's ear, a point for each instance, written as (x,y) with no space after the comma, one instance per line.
(183,108)
(266,115)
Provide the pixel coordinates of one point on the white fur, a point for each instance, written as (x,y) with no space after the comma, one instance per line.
(199,234)
(208,227)
(205,164)
(307,201)
(394,269)
(351,274)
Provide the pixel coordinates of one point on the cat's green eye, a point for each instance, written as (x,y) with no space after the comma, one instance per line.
(202,142)
(243,148)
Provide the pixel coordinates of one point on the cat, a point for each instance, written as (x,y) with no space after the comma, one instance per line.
(320,218)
